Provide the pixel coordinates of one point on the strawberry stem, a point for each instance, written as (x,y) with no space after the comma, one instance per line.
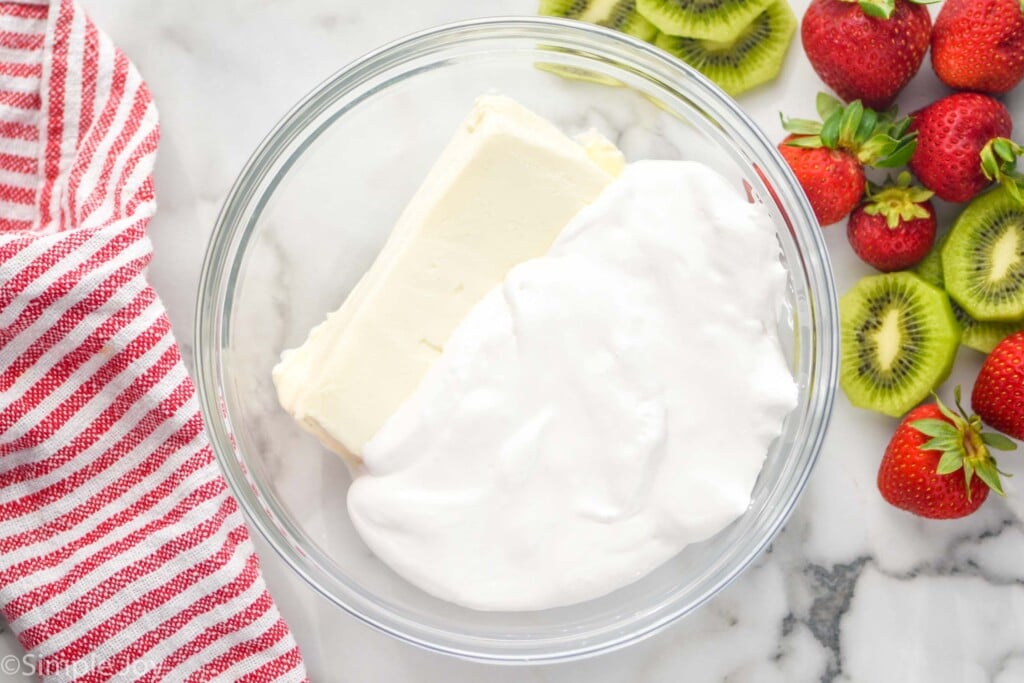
(999,164)
(876,139)
(883,9)
(880,9)
(897,201)
(963,445)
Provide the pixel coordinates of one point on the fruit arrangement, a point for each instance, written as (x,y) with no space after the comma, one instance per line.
(829,157)
(739,44)
(902,328)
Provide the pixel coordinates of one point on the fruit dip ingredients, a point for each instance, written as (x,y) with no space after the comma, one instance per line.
(867,50)
(604,406)
(828,156)
(938,463)
(900,331)
(951,135)
(998,394)
(894,229)
(739,44)
(979,45)
(899,340)
(500,192)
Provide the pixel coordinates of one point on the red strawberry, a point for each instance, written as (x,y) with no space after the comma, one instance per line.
(998,395)
(867,50)
(833,179)
(930,464)
(954,136)
(828,158)
(895,228)
(979,45)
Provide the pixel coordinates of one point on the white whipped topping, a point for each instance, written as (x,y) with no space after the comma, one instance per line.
(603,407)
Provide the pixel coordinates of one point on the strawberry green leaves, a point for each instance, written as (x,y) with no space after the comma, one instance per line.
(876,139)
(998,441)
(898,201)
(999,164)
(891,147)
(963,445)
(828,105)
(883,9)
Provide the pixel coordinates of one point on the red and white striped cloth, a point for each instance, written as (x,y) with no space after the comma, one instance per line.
(122,554)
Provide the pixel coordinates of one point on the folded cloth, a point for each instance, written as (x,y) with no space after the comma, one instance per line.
(122,554)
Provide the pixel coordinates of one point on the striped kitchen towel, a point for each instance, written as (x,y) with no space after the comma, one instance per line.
(122,554)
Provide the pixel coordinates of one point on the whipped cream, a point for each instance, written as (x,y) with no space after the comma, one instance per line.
(604,406)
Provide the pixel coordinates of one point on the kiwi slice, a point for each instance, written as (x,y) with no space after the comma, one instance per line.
(930,268)
(718,20)
(620,15)
(977,335)
(983,258)
(899,340)
(754,57)
(576,73)
(984,336)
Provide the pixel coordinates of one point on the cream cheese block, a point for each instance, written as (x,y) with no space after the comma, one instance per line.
(498,195)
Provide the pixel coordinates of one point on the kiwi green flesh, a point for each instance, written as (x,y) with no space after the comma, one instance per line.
(983,336)
(983,258)
(719,20)
(977,335)
(620,15)
(753,58)
(899,341)
(930,267)
(578,74)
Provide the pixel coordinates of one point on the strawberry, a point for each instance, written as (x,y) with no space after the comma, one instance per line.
(921,468)
(828,157)
(979,45)
(867,50)
(833,179)
(963,146)
(998,395)
(895,228)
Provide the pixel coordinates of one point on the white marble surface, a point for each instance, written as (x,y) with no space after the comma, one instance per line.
(852,590)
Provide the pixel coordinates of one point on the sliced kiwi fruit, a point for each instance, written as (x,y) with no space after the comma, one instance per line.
(899,340)
(576,73)
(983,336)
(977,335)
(930,268)
(754,57)
(718,20)
(620,15)
(983,258)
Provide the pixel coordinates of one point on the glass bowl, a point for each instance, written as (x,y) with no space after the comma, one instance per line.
(315,203)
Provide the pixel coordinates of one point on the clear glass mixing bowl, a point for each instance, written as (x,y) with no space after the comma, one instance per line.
(316,202)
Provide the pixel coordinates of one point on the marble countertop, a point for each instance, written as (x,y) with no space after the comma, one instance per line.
(852,590)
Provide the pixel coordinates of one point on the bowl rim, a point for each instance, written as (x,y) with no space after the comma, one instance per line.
(274,144)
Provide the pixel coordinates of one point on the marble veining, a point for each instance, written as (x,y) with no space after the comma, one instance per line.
(852,591)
